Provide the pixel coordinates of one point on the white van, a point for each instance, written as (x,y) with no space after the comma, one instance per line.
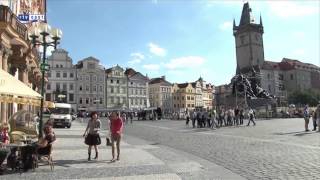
(61,115)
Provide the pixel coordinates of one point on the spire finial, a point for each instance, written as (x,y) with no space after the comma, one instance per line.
(260,20)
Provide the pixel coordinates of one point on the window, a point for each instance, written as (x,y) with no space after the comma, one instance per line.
(140,91)
(111,100)
(100,88)
(80,78)
(87,88)
(87,78)
(144,92)
(94,78)
(111,90)
(80,88)
(61,66)
(58,86)
(145,102)
(49,74)
(100,101)
(57,66)
(188,97)
(71,97)
(131,101)
(94,101)
(174,105)
(91,66)
(48,97)
(118,89)
(71,87)
(48,86)
(94,88)
(58,74)
(268,76)
(192,98)
(291,76)
(64,86)
(64,74)
(117,81)
(281,77)
(111,81)
(71,75)
(80,100)
(118,100)
(87,100)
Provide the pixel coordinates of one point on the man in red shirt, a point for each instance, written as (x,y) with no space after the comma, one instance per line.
(116,126)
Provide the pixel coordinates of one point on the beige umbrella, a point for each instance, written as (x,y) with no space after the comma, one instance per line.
(12,86)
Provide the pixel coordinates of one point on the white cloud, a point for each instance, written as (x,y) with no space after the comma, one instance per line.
(286,9)
(137,55)
(152,67)
(136,58)
(156,50)
(298,35)
(226,25)
(185,62)
(299,52)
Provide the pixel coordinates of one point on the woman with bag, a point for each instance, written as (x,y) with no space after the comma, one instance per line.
(91,134)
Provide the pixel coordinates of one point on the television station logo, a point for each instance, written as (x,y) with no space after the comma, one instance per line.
(27,18)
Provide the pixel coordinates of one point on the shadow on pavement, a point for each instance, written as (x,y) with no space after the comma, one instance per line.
(297,133)
(67,163)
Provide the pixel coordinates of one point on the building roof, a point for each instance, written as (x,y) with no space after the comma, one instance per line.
(182,85)
(130,72)
(289,64)
(160,80)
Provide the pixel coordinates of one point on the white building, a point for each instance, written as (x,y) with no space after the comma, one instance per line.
(61,78)
(116,91)
(90,85)
(138,94)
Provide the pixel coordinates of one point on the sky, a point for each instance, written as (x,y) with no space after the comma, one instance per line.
(182,39)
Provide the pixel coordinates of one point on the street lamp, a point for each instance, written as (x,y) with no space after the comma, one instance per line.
(45,37)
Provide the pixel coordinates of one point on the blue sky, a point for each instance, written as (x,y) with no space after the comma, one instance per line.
(182,39)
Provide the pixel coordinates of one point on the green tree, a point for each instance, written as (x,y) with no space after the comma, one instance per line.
(309,97)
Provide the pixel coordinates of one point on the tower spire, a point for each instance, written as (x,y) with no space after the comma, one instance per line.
(260,20)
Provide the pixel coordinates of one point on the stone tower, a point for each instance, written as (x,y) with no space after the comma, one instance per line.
(249,41)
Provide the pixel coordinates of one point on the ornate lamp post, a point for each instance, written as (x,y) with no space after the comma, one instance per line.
(45,37)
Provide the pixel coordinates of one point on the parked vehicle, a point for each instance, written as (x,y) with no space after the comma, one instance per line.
(61,115)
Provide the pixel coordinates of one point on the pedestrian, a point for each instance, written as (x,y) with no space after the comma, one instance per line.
(198,119)
(251,115)
(306,116)
(187,118)
(314,119)
(124,117)
(236,116)
(241,116)
(91,134)
(194,117)
(318,116)
(131,117)
(116,127)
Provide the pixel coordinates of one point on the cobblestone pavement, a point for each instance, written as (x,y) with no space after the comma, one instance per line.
(140,160)
(274,149)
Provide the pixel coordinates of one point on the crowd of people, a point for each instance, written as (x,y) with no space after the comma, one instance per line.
(224,117)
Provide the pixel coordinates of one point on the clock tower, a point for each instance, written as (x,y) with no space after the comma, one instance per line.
(248,41)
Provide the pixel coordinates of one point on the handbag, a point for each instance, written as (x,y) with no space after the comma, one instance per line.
(86,140)
(108,142)
(98,139)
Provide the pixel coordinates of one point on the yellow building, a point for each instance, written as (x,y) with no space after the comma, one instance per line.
(18,58)
(183,96)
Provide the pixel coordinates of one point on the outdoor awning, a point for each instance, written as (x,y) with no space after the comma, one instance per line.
(13,87)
